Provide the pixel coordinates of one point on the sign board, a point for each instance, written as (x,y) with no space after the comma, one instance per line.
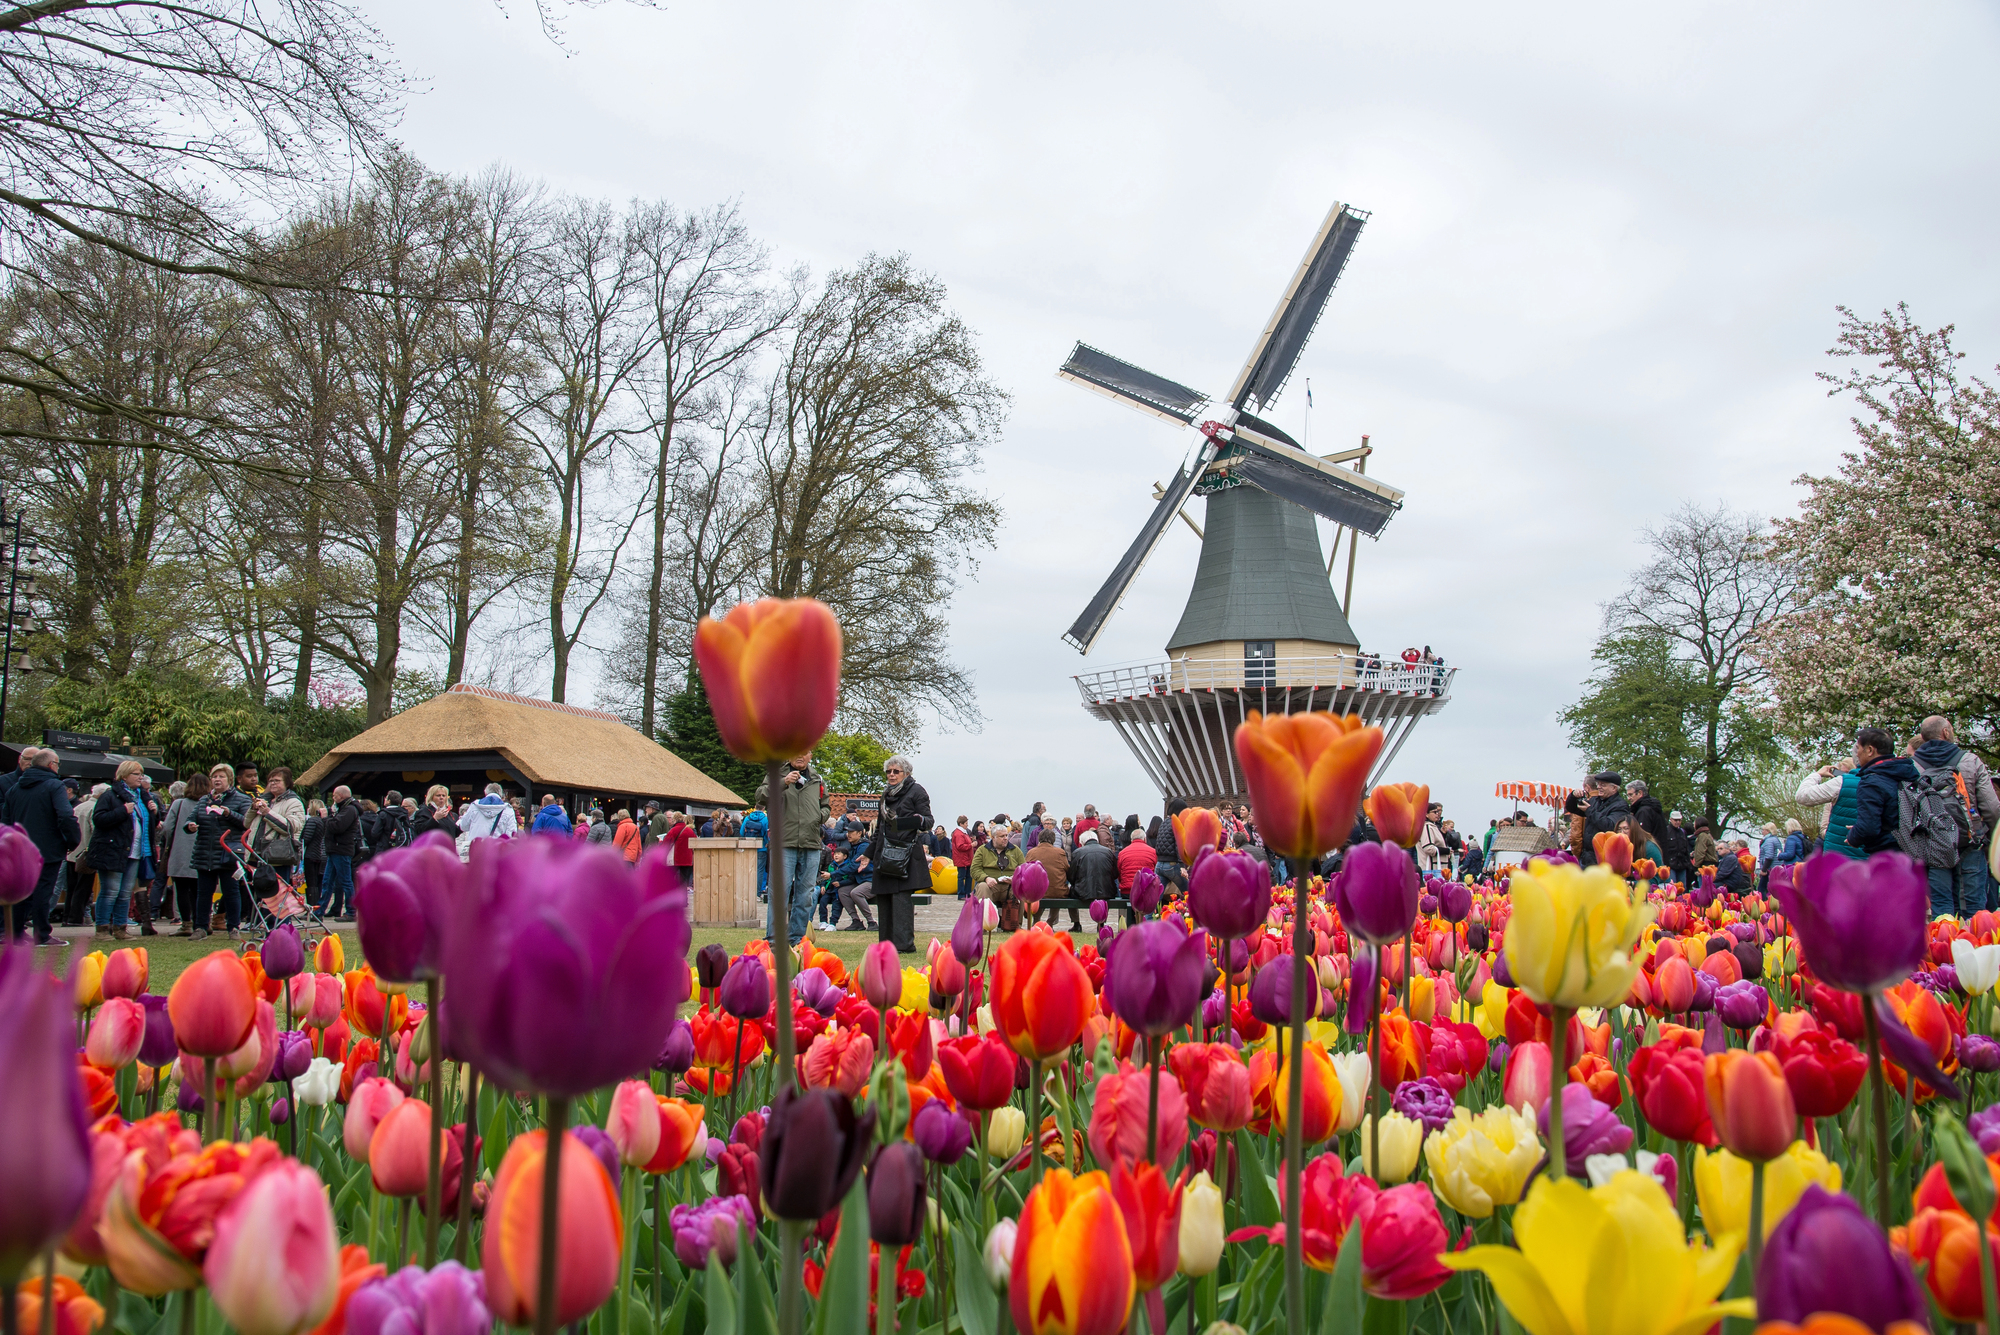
(147,752)
(75,741)
(854,804)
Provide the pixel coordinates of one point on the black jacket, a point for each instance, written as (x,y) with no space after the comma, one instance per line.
(428,819)
(1601,817)
(217,819)
(111,829)
(1729,874)
(39,803)
(312,839)
(1649,813)
(1679,848)
(906,813)
(1877,803)
(387,828)
(343,827)
(1093,872)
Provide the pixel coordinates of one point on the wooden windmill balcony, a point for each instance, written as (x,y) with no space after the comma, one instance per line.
(1179,715)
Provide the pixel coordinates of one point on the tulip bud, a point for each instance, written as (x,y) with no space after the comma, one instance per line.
(711,963)
(212,1006)
(284,955)
(896,1195)
(1201,1226)
(1006,1131)
(812,1151)
(881,975)
(677,1053)
(943,1135)
(998,1254)
(295,1055)
(745,991)
(947,975)
(633,1122)
(158,1048)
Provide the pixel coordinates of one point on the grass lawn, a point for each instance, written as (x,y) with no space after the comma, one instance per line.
(166,956)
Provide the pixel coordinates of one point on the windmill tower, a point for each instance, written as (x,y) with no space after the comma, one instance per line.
(1262,628)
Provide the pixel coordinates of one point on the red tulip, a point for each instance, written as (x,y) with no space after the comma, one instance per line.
(1216,1083)
(160,1217)
(1667,1081)
(1401,1232)
(1118,1117)
(680,1132)
(212,1006)
(1041,995)
(772,672)
(589,1244)
(157,1139)
(1151,1208)
(1525,1082)
(1943,1245)
(1613,851)
(126,972)
(1749,1103)
(978,1070)
(1822,1070)
(1306,773)
(910,1042)
(841,1059)
(1457,1054)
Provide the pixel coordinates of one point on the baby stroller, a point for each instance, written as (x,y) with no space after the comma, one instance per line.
(274,898)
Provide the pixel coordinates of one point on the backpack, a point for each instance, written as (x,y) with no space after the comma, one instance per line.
(399,833)
(1931,824)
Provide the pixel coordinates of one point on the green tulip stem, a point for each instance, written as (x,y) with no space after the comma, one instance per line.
(470,1168)
(292,1122)
(551,1221)
(434,1184)
(1756,1218)
(628,1202)
(985,1187)
(735,1078)
(1153,1101)
(885,1291)
(659,1222)
(791,1247)
(402,1256)
(49,1287)
(1295,1098)
(781,947)
(1035,1125)
(1878,1097)
(1558,1077)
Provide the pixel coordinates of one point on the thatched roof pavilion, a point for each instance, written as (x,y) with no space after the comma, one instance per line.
(472,735)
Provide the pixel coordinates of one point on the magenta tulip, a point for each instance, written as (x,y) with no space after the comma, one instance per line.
(1860,925)
(45,1155)
(401,901)
(1230,894)
(1376,892)
(1154,981)
(20,864)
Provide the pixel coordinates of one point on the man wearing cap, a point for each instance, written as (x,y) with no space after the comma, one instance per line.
(1601,815)
(1679,848)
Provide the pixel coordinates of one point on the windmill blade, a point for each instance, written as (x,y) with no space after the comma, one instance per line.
(1088,626)
(1291,324)
(1342,495)
(1131,385)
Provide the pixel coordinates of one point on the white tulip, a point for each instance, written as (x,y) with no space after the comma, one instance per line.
(1978,966)
(998,1254)
(319,1085)
(1354,1071)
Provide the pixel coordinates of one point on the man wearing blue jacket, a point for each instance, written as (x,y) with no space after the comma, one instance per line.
(1878,793)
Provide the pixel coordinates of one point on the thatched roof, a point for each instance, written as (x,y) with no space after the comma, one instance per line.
(555,746)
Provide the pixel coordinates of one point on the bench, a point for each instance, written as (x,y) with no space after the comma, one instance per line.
(1051,903)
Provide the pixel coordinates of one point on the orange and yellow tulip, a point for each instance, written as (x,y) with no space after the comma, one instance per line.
(1041,994)
(328,957)
(1750,1104)
(1397,811)
(160,1218)
(86,980)
(370,1009)
(1072,1271)
(1319,1109)
(1195,829)
(591,1240)
(680,1133)
(1833,1323)
(1306,773)
(772,672)
(77,1313)
(1943,1246)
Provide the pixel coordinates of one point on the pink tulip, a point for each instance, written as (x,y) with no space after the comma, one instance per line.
(1527,1078)
(126,972)
(399,1152)
(274,1266)
(633,1123)
(115,1035)
(882,974)
(1118,1117)
(265,1033)
(373,1099)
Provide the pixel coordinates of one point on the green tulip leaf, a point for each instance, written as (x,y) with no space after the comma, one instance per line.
(978,1305)
(720,1297)
(757,1311)
(1346,1303)
(1965,1167)
(1257,1188)
(843,1296)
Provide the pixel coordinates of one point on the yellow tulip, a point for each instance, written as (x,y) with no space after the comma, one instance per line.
(1722,1186)
(1571,939)
(1480,1162)
(1491,1012)
(916,995)
(1006,1131)
(87,980)
(1609,1260)
(1401,1138)
(1423,998)
(1201,1226)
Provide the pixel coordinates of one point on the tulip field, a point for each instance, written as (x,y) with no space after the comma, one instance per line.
(1560,1100)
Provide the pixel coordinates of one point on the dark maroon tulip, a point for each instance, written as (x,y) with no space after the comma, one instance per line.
(45,1153)
(746,989)
(157,1048)
(1155,977)
(20,864)
(813,1149)
(282,953)
(1825,1255)
(563,965)
(401,900)
(1455,901)
(677,1053)
(1376,892)
(711,964)
(1477,938)
(1362,980)
(1751,959)
(1271,993)
(943,1134)
(1230,894)
(968,934)
(1860,925)
(896,1195)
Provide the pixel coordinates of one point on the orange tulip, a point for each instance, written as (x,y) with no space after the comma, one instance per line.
(1833,1323)
(261,983)
(680,1132)
(590,1242)
(1041,995)
(369,1009)
(1306,773)
(1320,1108)
(1397,811)
(1943,1245)
(1072,1271)
(328,957)
(1923,1015)
(211,1006)
(1613,850)
(1750,1104)
(100,1089)
(772,671)
(1402,1054)
(399,1151)
(77,1313)
(160,1217)
(127,972)
(1151,1209)
(840,1059)
(1602,1078)
(1195,829)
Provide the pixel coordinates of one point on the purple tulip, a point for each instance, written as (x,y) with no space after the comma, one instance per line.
(1427,904)
(1713,1040)
(448,1300)
(1426,1100)
(1271,993)
(1742,1005)
(677,1053)
(283,954)
(1501,973)
(746,989)
(1376,892)
(1229,894)
(711,962)
(1497,1054)
(1742,931)
(968,934)
(1704,992)
(295,1054)
(401,900)
(1238,952)
(1825,1255)
(1455,901)
(1860,925)
(599,1142)
(1145,891)
(896,1195)
(1979,1054)
(158,1047)
(816,990)
(713,1227)
(1984,1126)
(1030,882)
(281,1110)
(812,1151)
(1361,980)
(1588,1128)
(1155,977)
(1099,910)
(45,1154)
(20,864)
(942,1134)
(1944,978)
(564,965)
(1214,1007)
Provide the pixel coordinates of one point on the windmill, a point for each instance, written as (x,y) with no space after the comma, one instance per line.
(1262,628)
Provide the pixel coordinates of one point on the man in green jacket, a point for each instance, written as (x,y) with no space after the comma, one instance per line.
(798,809)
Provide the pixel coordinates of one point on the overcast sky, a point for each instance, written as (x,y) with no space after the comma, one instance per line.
(1601,270)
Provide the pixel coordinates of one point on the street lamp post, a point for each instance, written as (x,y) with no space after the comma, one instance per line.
(19,593)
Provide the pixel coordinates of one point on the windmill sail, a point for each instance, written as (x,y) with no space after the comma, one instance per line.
(1088,626)
(1291,324)
(1131,385)
(1343,499)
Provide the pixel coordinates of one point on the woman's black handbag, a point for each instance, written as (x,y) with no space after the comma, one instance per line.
(896,860)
